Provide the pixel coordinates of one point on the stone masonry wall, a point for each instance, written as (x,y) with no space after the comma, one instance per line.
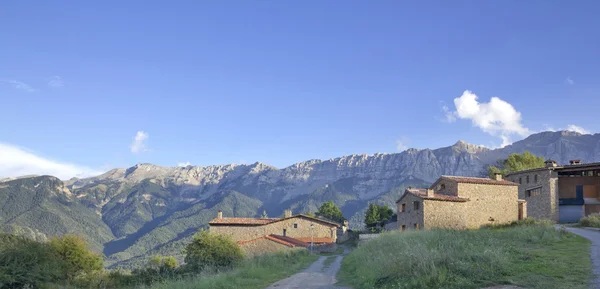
(488,204)
(439,214)
(302,230)
(544,205)
(262,246)
(446,186)
(410,216)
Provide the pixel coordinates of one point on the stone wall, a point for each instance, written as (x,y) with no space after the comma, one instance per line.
(544,205)
(445,186)
(488,204)
(263,245)
(300,230)
(440,214)
(410,216)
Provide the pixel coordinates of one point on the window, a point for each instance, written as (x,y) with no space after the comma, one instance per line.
(403,208)
(416,204)
(417,226)
(403,227)
(284,232)
(527,179)
(533,192)
(295,226)
(442,186)
(535,179)
(520,180)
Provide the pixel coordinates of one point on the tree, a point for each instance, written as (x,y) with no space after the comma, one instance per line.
(26,263)
(75,255)
(516,162)
(330,211)
(309,213)
(372,216)
(211,250)
(377,214)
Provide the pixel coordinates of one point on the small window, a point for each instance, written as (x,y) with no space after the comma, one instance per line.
(535,179)
(295,226)
(417,226)
(403,227)
(533,192)
(527,179)
(416,204)
(442,186)
(520,180)
(403,208)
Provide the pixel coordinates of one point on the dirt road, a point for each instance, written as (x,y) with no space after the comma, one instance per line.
(316,276)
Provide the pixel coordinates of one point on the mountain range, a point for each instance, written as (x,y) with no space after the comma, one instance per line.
(132,213)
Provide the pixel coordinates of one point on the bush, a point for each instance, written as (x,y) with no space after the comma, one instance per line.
(77,259)
(592,220)
(26,263)
(211,250)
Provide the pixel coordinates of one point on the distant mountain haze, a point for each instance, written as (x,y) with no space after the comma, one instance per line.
(130,214)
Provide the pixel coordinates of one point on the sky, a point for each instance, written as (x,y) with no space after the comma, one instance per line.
(87,86)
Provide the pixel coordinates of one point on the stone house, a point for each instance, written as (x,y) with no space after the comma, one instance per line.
(455,202)
(560,193)
(261,235)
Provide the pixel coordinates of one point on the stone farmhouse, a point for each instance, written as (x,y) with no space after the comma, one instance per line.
(262,235)
(460,203)
(560,193)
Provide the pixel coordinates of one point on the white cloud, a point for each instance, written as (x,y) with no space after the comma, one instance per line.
(183,164)
(497,117)
(19,85)
(139,142)
(578,129)
(16,161)
(569,81)
(449,116)
(56,81)
(402,144)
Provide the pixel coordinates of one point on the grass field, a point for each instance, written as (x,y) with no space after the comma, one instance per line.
(531,256)
(256,273)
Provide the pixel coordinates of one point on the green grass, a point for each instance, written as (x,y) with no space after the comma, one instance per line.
(592,220)
(258,272)
(527,255)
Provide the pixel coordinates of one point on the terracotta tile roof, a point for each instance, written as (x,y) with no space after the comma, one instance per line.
(242,221)
(422,193)
(481,181)
(295,242)
(260,222)
(315,240)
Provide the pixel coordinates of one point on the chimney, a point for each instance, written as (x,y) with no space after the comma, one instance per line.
(574,162)
(430,192)
(550,164)
(497,176)
(287,214)
(220,215)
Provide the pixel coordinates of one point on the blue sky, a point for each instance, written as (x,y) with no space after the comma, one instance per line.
(216,82)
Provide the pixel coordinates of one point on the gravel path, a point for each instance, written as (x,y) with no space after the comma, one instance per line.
(317,276)
(593,236)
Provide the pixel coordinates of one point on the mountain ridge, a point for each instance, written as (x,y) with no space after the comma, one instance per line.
(148,209)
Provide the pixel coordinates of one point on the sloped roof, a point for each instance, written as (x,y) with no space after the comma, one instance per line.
(315,240)
(243,221)
(287,241)
(474,180)
(422,193)
(265,221)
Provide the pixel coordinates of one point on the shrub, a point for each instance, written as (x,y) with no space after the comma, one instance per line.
(592,220)
(211,250)
(77,259)
(26,263)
